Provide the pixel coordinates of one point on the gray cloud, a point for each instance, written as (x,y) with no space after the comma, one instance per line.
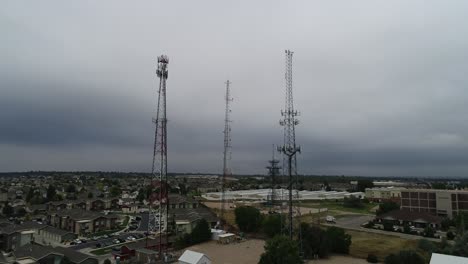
(380,85)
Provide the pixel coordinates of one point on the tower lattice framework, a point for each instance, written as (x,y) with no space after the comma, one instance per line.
(159,200)
(273,172)
(289,149)
(227,151)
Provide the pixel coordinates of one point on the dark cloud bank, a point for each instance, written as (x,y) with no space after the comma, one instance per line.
(381,86)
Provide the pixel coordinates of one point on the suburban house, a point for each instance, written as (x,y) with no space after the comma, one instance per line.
(14,236)
(129,250)
(82,222)
(417,219)
(97,204)
(186,219)
(49,235)
(34,253)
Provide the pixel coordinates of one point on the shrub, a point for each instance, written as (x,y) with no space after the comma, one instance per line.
(450,235)
(387,226)
(386,207)
(271,225)
(371,258)
(429,231)
(339,240)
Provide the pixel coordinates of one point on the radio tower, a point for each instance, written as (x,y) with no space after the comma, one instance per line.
(289,149)
(273,172)
(226,153)
(159,202)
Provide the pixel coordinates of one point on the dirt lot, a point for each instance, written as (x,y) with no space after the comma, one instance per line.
(247,252)
(339,260)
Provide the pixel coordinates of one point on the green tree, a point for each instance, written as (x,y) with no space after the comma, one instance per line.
(314,241)
(51,193)
(280,250)
(7,209)
(21,212)
(65,260)
(363,184)
(107,261)
(141,195)
(201,232)
(371,258)
(352,202)
(460,248)
(429,231)
(405,257)
(271,225)
(386,207)
(71,188)
(115,191)
(340,241)
(30,195)
(426,245)
(248,218)
(90,195)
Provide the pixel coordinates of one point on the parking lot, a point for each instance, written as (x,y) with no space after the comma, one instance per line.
(107,241)
(353,221)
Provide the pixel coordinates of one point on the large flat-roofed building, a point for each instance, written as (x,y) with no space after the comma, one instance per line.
(447,203)
(384,194)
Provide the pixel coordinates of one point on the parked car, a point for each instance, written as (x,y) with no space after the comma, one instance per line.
(330,219)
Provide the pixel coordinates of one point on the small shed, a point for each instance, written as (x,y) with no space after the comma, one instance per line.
(215,233)
(192,257)
(226,238)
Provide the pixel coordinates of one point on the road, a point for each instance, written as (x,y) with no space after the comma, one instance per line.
(143,226)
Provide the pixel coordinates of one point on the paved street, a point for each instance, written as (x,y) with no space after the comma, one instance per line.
(143,227)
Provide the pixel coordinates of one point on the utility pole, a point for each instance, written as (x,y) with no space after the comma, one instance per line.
(226,152)
(158,216)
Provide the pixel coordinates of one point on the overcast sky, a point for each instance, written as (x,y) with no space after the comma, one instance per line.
(381,85)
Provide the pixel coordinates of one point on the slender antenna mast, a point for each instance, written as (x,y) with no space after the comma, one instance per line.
(289,149)
(227,152)
(159,200)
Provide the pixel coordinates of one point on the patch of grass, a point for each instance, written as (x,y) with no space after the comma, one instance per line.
(364,243)
(338,206)
(125,221)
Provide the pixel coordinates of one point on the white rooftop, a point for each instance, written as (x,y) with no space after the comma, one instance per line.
(444,259)
(190,256)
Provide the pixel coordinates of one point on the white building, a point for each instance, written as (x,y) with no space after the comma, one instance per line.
(192,257)
(444,259)
(262,195)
